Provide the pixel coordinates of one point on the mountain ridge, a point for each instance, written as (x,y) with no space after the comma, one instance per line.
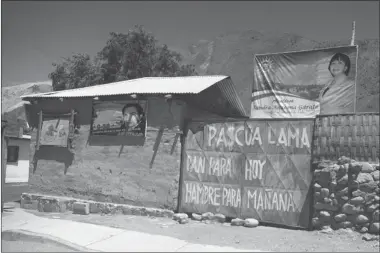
(231,53)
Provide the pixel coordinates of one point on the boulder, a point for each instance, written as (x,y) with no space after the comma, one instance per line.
(251,223)
(316,223)
(365,225)
(367,168)
(342,192)
(351,209)
(333,185)
(369,187)
(317,187)
(361,219)
(363,230)
(370,238)
(343,180)
(327,200)
(81,208)
(325,192)
(317,195)
(344,224)
(324,215)
(376,175)
(364,178)
(219,218)
(340,217)
(196,217)
(358,193)
(357,201)
(374,228)
(376,216)
(208,221)
(344,198)
(355,167)
(207,216)
(324,164)
(317,172)
(184,220)
(326,229)
(373,207)
(237,222)
(179,216)
(324,206)
(344,160)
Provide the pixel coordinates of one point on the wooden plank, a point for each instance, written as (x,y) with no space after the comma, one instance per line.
(156,145)
(175,143)
(39,130)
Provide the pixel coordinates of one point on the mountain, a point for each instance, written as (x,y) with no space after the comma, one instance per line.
(232,54)
(12,107)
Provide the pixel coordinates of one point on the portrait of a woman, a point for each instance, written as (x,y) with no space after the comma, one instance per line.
(338,96)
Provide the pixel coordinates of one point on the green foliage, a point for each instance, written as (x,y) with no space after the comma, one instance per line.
(125,56)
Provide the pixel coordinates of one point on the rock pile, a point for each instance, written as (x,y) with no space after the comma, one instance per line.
(346,195)
(209,218)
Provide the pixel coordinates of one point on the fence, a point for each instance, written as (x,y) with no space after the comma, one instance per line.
(355,136)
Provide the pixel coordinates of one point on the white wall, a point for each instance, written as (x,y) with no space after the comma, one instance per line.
(19,172)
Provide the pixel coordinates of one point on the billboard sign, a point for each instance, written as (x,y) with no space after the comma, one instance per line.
(119,122)
(305,84)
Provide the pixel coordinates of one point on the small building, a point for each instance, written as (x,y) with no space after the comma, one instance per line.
(83,149)
(15,160)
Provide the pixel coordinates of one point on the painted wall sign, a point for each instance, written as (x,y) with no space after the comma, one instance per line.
(119,122)
(55,132)
(305,84)
(258,169)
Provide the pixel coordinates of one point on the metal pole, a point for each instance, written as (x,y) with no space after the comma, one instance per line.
(353,34)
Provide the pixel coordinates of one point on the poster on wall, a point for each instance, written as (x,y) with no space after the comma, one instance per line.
(55,132)
(249,169)
(119,122)
(305,84)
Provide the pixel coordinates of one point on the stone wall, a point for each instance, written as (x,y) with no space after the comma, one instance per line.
(346,195)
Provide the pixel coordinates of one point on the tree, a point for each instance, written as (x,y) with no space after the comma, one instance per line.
(75,72)
(125,56)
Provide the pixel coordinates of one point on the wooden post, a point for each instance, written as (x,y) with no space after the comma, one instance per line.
(71,130)
(353,34)
(181,168)
(156,145)
(175,143)
(183,129)
(39,130)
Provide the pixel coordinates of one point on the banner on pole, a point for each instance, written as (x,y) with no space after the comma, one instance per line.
(305,84)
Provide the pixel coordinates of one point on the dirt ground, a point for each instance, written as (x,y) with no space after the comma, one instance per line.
(261,238)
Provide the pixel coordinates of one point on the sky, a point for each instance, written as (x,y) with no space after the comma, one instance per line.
(35,34)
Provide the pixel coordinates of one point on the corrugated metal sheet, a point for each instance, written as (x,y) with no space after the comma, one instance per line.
(146,85)
(230,94)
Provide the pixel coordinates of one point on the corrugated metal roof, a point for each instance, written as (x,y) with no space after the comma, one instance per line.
(146,85)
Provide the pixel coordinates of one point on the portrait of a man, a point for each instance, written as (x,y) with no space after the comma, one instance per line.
(133,118)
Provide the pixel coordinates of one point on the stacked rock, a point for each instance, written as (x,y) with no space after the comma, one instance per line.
(325,197)
(346,195)
(364,189)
